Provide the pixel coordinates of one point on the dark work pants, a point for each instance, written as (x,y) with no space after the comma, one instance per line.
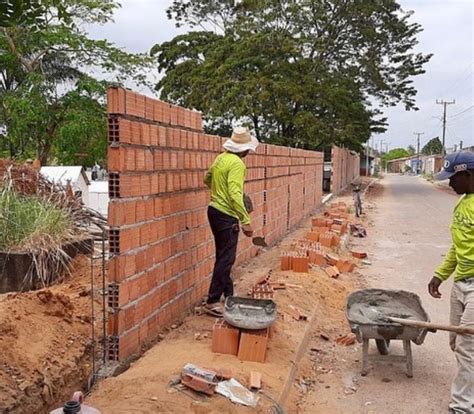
(226,236)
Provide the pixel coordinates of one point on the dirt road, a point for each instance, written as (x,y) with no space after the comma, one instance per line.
(407,239)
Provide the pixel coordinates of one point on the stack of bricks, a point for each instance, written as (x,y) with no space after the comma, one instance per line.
(297,261)
(345,168)
(247,345)
(161,247)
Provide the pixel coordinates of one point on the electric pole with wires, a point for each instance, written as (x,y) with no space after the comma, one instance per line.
(418,150)
(445,103)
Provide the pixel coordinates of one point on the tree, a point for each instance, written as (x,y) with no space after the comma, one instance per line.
(301,72)
(394,154)
(433,147)
(411,150)
(43,65)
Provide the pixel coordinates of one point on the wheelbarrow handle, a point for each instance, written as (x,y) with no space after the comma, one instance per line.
(433,326)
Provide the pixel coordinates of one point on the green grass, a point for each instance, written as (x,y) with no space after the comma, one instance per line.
(30,223)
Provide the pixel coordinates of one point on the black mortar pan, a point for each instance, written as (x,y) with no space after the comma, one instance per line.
(248,313)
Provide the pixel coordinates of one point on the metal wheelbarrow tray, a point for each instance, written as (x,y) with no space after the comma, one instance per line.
(248,313)
(365,313)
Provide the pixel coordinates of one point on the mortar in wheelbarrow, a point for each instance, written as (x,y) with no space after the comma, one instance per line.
(367,310)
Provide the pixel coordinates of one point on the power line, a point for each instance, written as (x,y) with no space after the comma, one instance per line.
(458,78)
(460,113)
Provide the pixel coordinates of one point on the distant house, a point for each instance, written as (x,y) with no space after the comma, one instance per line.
(76,175)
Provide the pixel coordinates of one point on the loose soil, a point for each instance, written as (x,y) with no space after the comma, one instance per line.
(45,342)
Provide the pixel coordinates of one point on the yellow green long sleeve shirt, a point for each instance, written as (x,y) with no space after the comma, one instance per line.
(226,178)
(460,257)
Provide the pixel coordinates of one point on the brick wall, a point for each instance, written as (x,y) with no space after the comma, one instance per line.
(345,168)
(161,247)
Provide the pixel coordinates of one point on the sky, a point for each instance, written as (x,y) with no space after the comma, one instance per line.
(447,33)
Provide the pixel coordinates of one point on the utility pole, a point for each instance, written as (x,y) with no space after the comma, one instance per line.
(381,143)
(460,145)
(367,157)
(445,103)
(418,149)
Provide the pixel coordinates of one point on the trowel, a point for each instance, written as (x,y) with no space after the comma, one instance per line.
(259,241)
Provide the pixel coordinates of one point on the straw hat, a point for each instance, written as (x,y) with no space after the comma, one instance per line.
(241,140)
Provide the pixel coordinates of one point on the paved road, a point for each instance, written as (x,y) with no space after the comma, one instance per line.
(409,238)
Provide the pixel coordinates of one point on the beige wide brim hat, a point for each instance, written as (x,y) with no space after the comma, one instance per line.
(240,141)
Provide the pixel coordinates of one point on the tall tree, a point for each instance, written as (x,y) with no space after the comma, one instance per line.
(433,147)
(42,63)
(300,71)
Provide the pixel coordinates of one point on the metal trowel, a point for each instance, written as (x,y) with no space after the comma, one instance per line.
(259,241)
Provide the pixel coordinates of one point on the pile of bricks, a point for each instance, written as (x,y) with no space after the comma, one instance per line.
(316,248)
(247,345)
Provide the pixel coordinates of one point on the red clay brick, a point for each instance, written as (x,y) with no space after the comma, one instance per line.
(253,345)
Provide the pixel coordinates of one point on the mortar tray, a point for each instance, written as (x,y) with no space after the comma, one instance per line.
(248,313)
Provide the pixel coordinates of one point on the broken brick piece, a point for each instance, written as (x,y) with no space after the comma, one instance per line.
(255,381)
(332,259)
(225,338)
(347,340)
(263,292)
(296,314)
(359,255)
(332,271)
(278,285)
(198,384)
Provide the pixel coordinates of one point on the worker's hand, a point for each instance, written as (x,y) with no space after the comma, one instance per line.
(433,287)
(247,230)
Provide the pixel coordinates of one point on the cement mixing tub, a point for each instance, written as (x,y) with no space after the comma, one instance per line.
(366,313)
(248,313)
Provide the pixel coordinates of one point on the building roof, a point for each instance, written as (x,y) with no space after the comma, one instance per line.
(61,174)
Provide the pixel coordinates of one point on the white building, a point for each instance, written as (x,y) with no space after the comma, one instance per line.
(94,194)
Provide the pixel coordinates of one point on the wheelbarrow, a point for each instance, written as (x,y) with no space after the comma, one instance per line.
(369,311)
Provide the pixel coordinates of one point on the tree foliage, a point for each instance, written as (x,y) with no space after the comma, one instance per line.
(411,150)
(46,92)
(301,72)
(394,154)
(433,147)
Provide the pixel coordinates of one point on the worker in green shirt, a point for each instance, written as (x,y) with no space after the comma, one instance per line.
(226,178)
(459,168)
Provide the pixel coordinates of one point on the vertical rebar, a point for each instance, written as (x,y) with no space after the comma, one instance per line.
(104,310)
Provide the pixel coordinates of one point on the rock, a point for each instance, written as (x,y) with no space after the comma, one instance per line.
(154,398)
(174,326)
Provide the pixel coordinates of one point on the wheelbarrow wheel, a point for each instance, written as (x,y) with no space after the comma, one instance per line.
(382,346)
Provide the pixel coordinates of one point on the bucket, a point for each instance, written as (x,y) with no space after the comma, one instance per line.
(75,406)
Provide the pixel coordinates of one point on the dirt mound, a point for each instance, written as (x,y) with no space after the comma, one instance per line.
(45,343)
